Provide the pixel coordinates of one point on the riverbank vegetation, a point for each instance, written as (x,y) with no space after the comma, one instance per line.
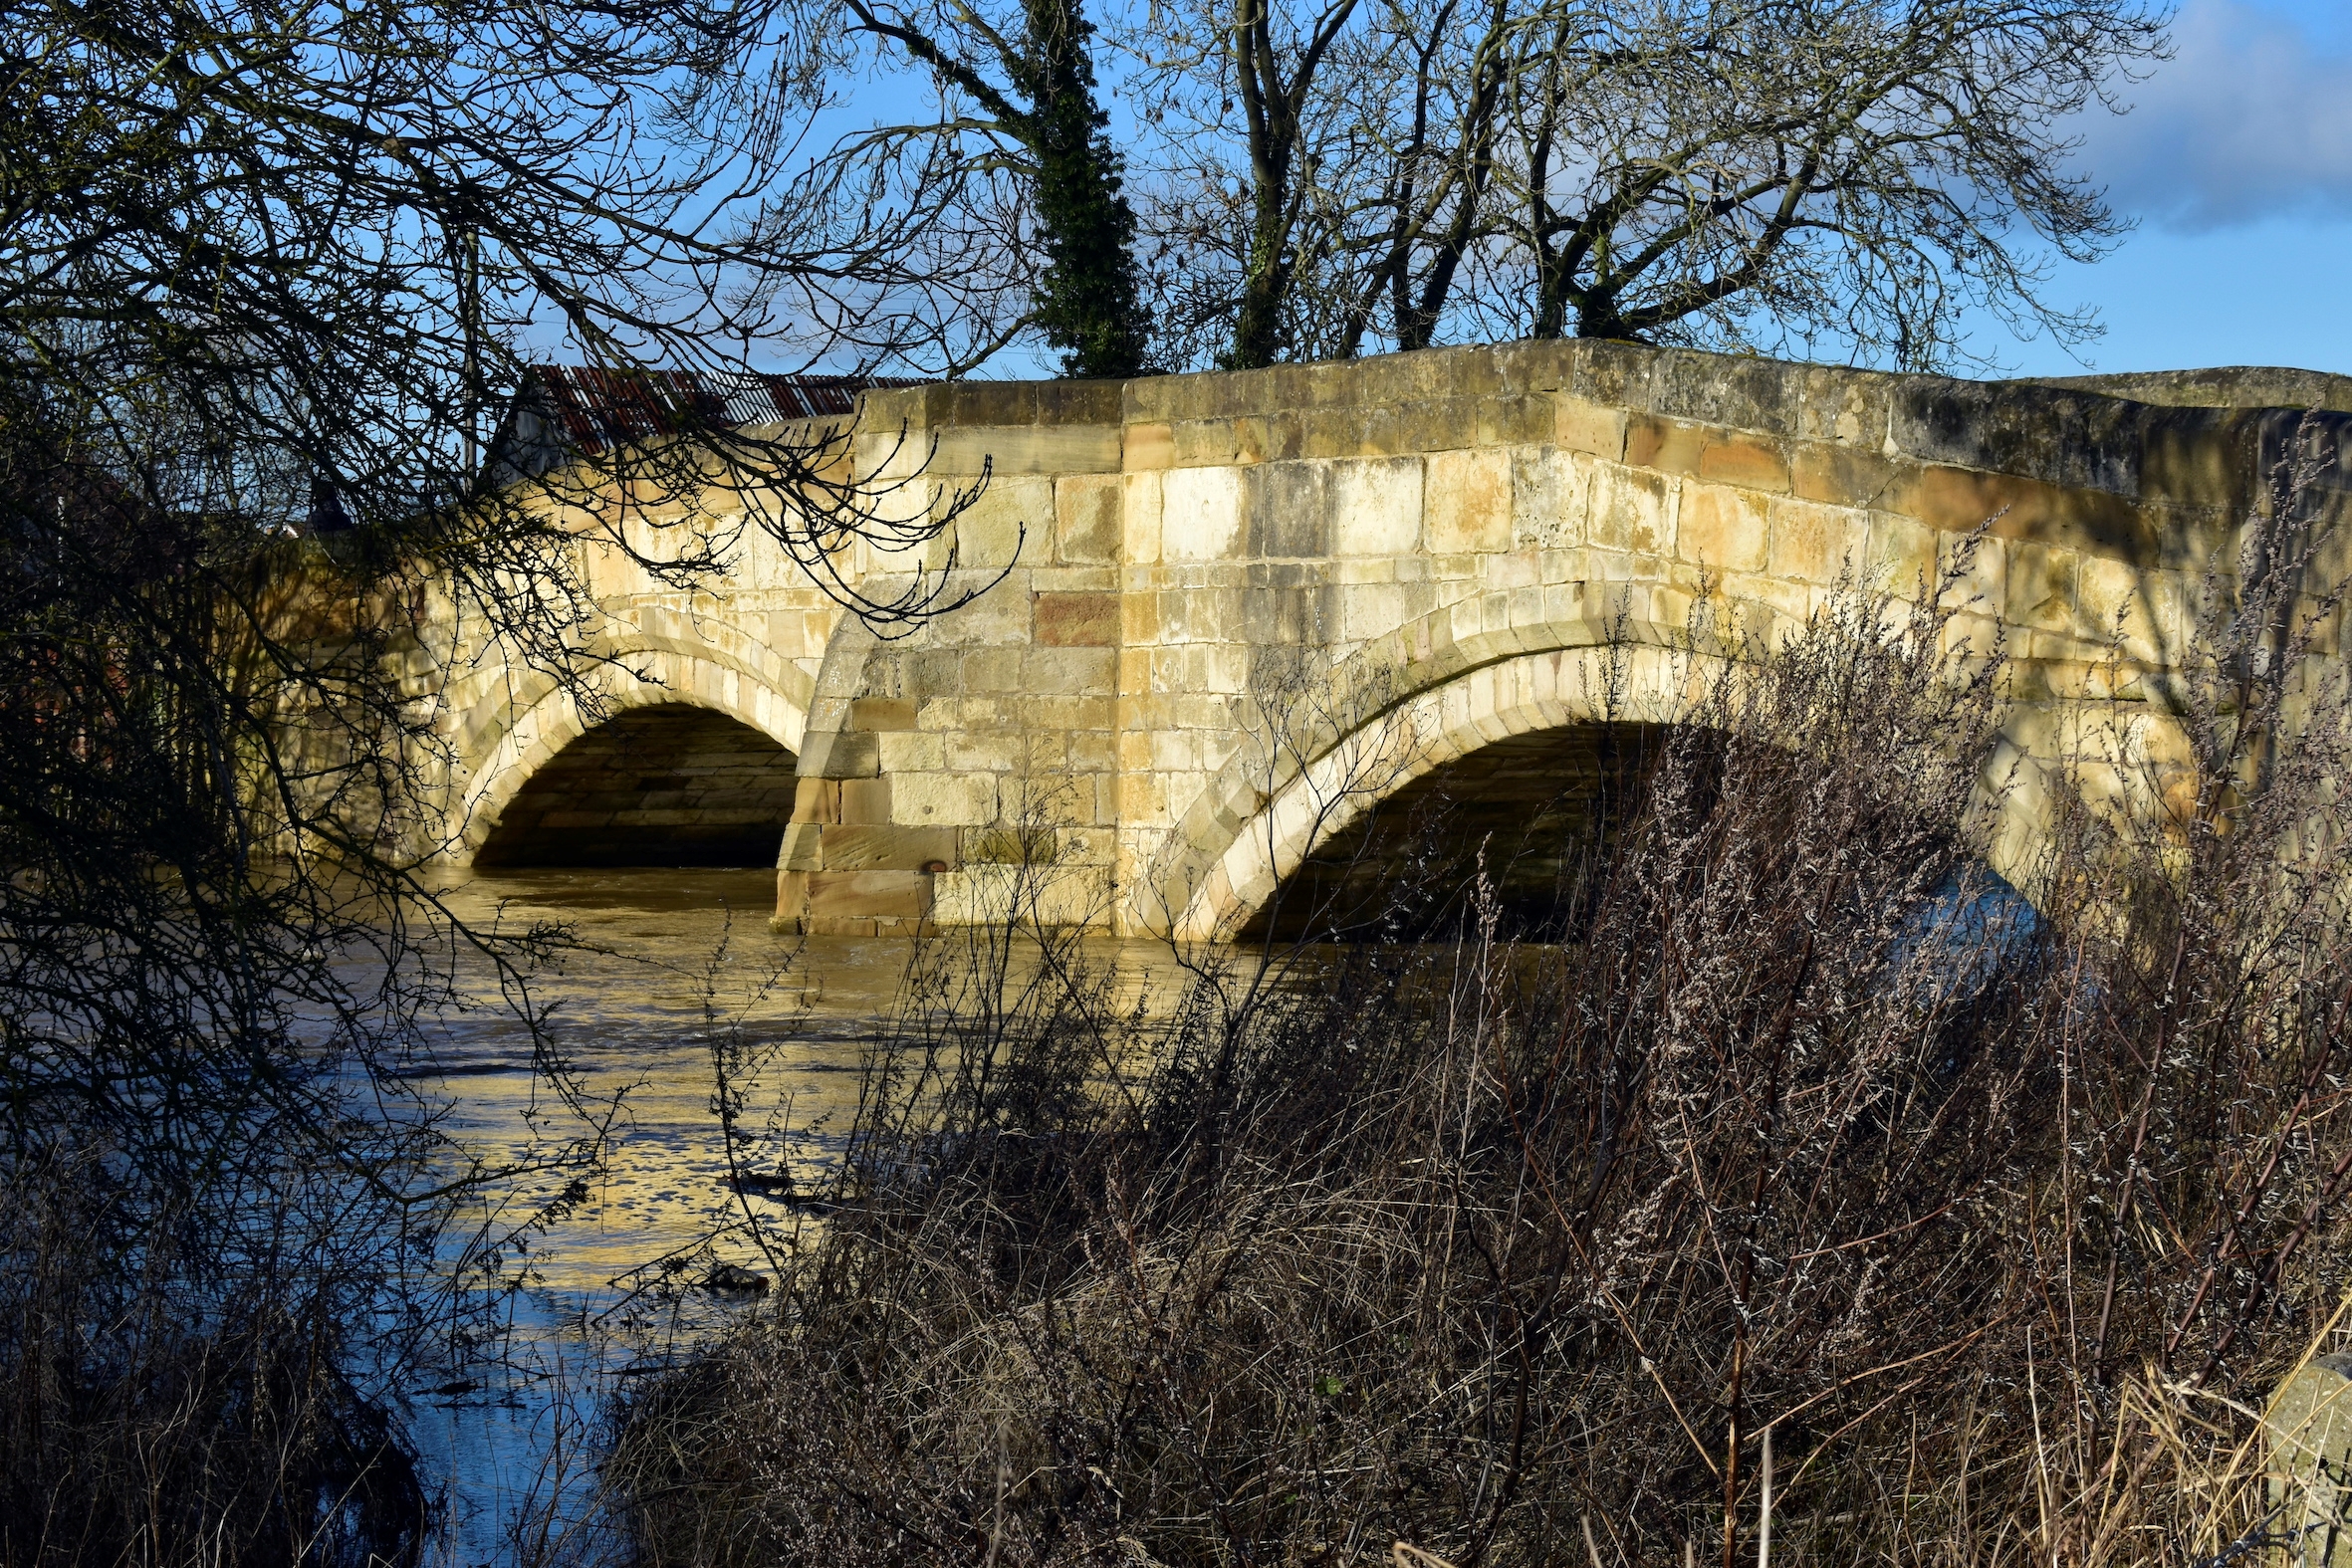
(265,275)
(1813,1163)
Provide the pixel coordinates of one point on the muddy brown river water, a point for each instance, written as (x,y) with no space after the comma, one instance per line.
(669,962)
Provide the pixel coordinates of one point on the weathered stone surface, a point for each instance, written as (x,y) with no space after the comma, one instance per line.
(1467,494)
(1200,512)
(890,848)
(2307,1463)
(1070,620)
(868,895)
(1491,543)
(1376,506)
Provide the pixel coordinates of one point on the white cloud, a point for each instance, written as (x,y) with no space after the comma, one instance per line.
(2251,118)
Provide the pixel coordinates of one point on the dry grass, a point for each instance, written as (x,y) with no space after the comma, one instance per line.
(1999,1226)
(174,1399)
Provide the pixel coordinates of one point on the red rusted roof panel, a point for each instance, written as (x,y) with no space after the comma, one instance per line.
(597,407)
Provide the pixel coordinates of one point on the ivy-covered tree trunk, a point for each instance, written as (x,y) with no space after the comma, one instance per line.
(1088,302)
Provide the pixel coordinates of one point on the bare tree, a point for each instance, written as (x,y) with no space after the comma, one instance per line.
(1257,157)
(1822,174)
(1831,171)
(266,278)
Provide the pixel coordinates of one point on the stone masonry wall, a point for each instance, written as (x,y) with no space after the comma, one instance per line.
(1445,522)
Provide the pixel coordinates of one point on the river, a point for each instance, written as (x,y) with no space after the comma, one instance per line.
(667,965)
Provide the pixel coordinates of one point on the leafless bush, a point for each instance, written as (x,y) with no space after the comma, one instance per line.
(172,1399)
(1993,1225)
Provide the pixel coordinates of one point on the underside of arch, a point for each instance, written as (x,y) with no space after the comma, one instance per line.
(1554,735)
(667,785)
(1502,828)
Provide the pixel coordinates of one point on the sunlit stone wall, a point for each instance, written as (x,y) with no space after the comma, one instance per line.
(1215,605)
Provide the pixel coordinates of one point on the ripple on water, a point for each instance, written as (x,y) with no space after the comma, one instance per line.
(667,962)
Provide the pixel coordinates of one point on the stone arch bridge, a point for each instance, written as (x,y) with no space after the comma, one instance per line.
(1492,552)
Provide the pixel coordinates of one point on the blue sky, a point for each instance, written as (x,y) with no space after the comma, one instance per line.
(2237,160)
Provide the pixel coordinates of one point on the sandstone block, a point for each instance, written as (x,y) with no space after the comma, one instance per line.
(1140,530)
(1060,711)
(1842,476)
(992,671)
(1071,620)
(1436,424)
(1516,421)
(2141,608)
(1749,462)
(1068,671)
(865,800)
(1723,529)
(890,848)
(803,848)
(1549,489)
(1616,375)
(1902,553)
(1786,605)
(2062,438)
(911,751)
(868,895)
(1843,406)
(1290,506)
(1086,519)
(848,754)
(1585,426)
(1668,445)
(1205,443)
(1745,390)
(1200,512)
(998,751)
(1813,544)
(2092,521)
(944,799)
(882,713)
(1632,508)
(817,801)
(1031,449)
(1369,610)
(1147,447)
(1469,500)
(985,403)
(1332,432)
(1000,615)
(1016,847)
(1982,581)
(1045,754)
(2040,588)
(1376,506)
(1071,402)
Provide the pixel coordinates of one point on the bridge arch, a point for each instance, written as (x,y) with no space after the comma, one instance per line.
(1251,832)
(531,729)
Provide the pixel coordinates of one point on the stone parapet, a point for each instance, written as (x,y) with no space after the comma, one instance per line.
(1159,566)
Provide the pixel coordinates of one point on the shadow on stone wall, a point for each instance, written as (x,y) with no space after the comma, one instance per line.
(666,786)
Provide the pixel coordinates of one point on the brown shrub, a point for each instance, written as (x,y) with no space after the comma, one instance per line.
(1999,1221)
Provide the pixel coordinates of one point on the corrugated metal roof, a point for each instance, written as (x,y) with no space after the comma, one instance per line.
(597,407)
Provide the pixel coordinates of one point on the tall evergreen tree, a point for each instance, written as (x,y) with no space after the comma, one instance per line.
(940,242)
(1089,302)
